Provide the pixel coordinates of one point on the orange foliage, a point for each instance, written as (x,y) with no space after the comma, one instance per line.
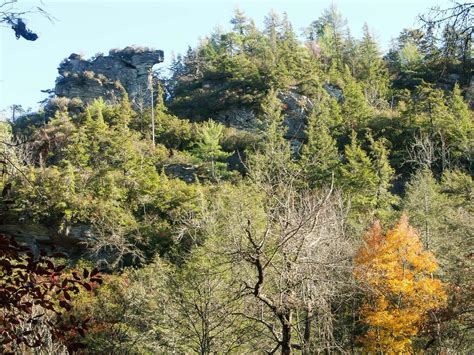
(399,272)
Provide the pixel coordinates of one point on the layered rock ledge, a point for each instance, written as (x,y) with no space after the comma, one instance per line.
(108,76)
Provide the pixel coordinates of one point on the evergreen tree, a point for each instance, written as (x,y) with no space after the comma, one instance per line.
(329,31)
(336,122)
(272,23)
(351,53)
(320,157)
(272,159)
(442,213)
(371,70)
(272,121)
(120,115)
(445,121)
(410,57)
(384,199)
(426,206)
(460,131)
(240,22)
(358,177)
(97,132)
(408,49)
(208,146)
(355,109)
(367,179)
(77,152)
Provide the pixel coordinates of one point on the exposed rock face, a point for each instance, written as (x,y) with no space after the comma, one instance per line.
(240,118)
(108,76)
(42,237)
(185,172)
(296,109)
(334,91)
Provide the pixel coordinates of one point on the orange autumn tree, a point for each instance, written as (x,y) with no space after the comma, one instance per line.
(403,290)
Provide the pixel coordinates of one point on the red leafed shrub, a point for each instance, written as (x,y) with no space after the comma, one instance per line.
(35,299)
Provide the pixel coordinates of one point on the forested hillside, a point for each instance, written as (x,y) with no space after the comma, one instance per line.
(303,193)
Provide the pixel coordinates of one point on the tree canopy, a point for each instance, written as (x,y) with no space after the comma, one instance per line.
(293,194)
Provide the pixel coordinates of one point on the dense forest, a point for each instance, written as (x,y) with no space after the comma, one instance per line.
(302,193)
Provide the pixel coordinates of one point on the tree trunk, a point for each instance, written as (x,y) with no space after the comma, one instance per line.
(206,341)
(286,333)
(307,331)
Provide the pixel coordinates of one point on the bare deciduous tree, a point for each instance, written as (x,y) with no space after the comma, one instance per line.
(112,242)
(204,314)
(425,152)
(290,254)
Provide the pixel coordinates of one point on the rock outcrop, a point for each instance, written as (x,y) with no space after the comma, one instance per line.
(185,172)
(296,109)
(108,76)
(40,237)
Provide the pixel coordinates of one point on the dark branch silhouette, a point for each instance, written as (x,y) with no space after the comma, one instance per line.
(19,26)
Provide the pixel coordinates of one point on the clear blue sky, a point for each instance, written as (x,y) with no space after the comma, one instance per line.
(88,27)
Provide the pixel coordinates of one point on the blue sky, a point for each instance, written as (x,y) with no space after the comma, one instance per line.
(88,27)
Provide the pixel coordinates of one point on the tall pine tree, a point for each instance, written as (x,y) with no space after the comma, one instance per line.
(320,157)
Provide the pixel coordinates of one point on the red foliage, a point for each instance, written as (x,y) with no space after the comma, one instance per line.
(29,283)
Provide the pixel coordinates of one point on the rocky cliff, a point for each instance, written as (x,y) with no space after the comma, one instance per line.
(108,76)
